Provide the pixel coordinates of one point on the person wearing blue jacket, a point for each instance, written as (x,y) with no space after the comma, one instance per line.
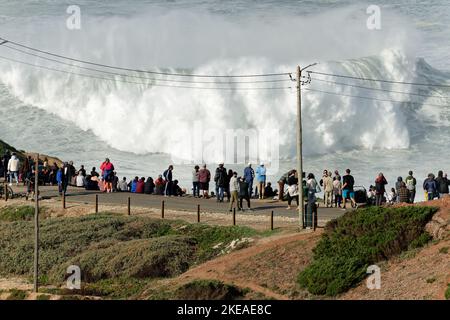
(134,185)
(249,175)
(261,179)
(430,186)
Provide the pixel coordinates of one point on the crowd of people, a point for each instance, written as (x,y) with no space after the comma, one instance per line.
(337,190)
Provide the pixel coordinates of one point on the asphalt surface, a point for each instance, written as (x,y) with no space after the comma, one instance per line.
(186,203)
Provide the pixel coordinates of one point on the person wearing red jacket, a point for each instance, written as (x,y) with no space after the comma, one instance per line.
(107,169)
(140,185)
(380,189)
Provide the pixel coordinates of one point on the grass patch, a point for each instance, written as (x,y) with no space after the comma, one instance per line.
(358,239)
(112,248)
(43,297)
(209,290)
(447,292)
(15,294)
(443,250)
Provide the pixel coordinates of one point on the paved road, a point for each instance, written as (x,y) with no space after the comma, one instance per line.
(187,203)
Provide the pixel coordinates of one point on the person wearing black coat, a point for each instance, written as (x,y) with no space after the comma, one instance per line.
(442,184)
(149,186)
(220,178)
(243,193)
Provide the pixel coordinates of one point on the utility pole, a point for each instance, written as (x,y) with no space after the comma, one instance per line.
(301,207)
(36,223)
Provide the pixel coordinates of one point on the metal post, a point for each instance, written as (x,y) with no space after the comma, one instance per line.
(198,213)
(162,209)
(129,206)
(64,200)
(6,191)
(271,220)
(96,203)
(36,223)
(234,216)
(301,210)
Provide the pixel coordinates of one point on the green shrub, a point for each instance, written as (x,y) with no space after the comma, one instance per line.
(15,294)
(16,213)
(149,258)
(443,250)
(360,238)
(208,290)
(110,247)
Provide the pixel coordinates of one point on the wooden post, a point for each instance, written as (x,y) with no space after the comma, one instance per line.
(129,206)
(234,216)
(198,213)
(36,223)
(271,220)
(6,190)
(96,203)
(64,200)
(162,209)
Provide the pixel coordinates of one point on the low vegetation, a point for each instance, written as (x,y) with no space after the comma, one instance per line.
(209,290)
(112,251)
(358,239)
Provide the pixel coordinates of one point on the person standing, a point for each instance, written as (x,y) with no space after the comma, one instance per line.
(403,194)
(411,183)
(204,176)
(261,180)
(312,188)
(107,169)
(292,190)
(337,191)
(220,178)
(328,189)
(281,183)
(234,190)
(348,183)
(249,175)
(441,184)
(5,161)
(243,193)
(13,169)
(337,175)
(227,184)
(380,183)
(168,191)
(430,186)
(398,184)
(195,182)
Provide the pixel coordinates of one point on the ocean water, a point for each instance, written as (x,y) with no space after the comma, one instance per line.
(143,127)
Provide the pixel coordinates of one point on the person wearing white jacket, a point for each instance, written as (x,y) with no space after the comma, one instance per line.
(234,190)
(13,169)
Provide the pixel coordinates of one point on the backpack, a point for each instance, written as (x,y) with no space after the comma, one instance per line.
(410,184)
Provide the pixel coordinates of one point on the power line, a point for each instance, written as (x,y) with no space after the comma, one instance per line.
(139,77)
(146,71)
(384,90)
(141,83)
(380,80)
(376,99)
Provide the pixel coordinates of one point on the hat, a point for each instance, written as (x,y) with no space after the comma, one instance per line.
(262,163)
(249,164)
